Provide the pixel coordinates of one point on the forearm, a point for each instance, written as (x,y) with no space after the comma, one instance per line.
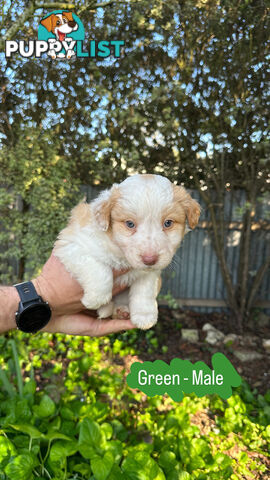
(9,300)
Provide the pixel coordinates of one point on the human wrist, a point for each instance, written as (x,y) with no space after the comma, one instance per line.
(42,289)
(9,303)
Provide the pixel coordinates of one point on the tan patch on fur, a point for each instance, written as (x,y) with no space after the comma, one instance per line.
(119,215)
(175,212)
(191,207)
(104,210)
(147,176)
(81,214)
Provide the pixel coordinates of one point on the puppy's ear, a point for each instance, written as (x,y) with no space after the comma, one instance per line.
(47,23)
(68,15)
(103,206)
(191,206)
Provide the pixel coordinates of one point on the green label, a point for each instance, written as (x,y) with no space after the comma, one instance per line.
(181,376)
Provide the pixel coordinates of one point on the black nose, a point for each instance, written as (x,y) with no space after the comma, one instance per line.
(71,23)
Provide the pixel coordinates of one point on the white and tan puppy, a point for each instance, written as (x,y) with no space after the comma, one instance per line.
(137,224)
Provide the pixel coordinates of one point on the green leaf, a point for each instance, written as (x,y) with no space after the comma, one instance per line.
(119,430)
(102,466)
(116,449)
(141,467)
(90,433)
(107,429)
(46,408)
(53,435)
(116,473)
(20,467)
(82,468)
(179,474)
(22,411)
(133,470)
(58,453)
(7,448)
(199,447)
(30,387)
(167,460)
(33,432)
(66,413)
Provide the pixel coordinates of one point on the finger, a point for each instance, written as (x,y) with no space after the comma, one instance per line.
(118,273)
(113,326)
(118,289)
(82,324)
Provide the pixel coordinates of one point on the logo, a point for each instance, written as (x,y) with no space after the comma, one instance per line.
(61,35)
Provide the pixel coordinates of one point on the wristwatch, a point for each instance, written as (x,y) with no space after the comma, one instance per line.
(33,313)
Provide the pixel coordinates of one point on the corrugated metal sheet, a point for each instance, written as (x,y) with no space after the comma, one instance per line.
(194,273)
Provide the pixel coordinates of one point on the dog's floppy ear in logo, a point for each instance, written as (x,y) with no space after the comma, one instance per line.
(47,23)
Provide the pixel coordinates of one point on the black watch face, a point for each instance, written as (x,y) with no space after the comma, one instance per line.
(33,318)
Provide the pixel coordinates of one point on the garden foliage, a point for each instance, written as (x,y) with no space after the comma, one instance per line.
(70,415)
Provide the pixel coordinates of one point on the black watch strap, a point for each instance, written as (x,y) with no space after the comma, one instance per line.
(33,313)
(27,292)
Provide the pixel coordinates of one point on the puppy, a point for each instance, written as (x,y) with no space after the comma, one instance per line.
(137,224)
(60,25)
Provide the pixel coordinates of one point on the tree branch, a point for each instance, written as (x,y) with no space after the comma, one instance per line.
(218,244)
(11,32)
(257,282)
(56,6)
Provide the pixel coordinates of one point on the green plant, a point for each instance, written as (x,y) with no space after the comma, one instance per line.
(170,300)
(87,424)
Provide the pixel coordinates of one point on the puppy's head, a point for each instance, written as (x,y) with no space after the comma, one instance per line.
(146,217)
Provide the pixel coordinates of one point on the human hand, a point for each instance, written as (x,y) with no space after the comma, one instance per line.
(63,293)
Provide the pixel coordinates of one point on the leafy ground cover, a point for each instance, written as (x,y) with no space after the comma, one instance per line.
(66,412)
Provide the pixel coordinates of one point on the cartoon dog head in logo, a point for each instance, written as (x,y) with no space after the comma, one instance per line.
(60,24)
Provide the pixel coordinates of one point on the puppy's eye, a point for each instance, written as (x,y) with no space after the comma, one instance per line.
(58,22)
(65,20)
(130,224)
(167,223)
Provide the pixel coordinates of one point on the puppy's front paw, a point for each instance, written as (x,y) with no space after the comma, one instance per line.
(144,320)
(70,53)
(90,302)
(106,311)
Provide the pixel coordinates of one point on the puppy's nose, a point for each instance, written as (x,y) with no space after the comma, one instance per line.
(71,23)
(149,259)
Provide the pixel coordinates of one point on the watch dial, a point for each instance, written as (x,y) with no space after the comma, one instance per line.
(33,318)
